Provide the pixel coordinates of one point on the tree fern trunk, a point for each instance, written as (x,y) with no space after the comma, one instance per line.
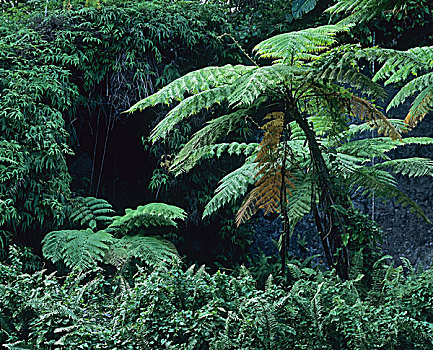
(330,223)
(283,197)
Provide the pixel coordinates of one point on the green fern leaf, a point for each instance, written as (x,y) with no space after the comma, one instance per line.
(152,250)
(301,7)
(295,45)
(190,106)
(149,215)
(88,211)
(192,83)
(80,249)
(411,167)
(232,187)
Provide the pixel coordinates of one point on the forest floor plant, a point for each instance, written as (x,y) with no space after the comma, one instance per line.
(176,308)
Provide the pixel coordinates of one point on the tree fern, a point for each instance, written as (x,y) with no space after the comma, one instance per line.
(115,244)
(316,88)
(153,250)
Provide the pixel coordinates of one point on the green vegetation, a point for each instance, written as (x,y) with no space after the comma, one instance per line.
(177,309)
(249,112)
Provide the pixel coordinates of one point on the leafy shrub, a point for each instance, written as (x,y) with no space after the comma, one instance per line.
(177,309)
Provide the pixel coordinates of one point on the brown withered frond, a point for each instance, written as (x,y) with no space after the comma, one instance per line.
(365,110)
(266,194)
(422,105)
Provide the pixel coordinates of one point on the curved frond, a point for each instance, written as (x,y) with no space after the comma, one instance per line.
(411,167)
(210,151)
(299,44)
(413,87)
(422,105)
(149,215)
(362,10)
(378,147)
(401,65)
(80,249)
(365,110)
(192,83)
(153,250)
(89,211)
(371,180)
(300,200)
(206,136)
(190,106)
(232,187)
(263,81)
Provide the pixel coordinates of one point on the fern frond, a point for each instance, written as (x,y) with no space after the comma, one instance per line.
(152,250)
(210,151)
(149,215)
(263,81)
(411,167)
(354,131)
(88,211)
(269,178)
(379,182)
(344,73)
(378,146)
(206,136)
(300,200)
(299,44)
(192,83)
(401,65)
(190,106)
(362,10)
(414,86)
(300,7)
(80,249)
(365,110)
(232,187)
(422,105)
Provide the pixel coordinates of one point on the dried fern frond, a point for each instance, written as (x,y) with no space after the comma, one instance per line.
(269,178)
(365,110)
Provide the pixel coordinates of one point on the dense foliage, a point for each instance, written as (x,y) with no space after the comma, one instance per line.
(177,309)
(244,107)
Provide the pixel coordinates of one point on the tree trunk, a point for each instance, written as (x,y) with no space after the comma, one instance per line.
(329,221)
